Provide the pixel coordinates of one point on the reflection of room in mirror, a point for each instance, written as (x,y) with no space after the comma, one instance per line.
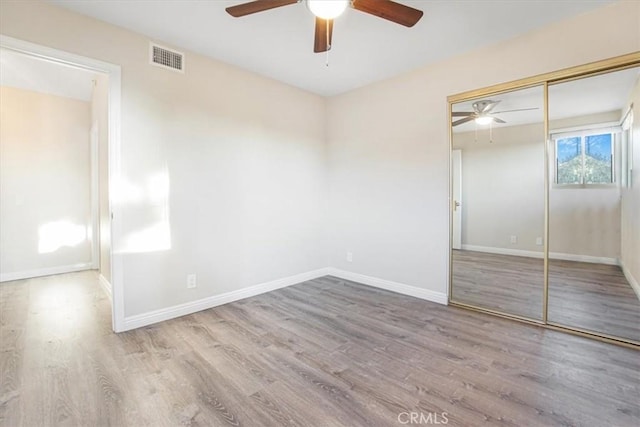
(480,120)
(501,205)
(498,187)
(594,209)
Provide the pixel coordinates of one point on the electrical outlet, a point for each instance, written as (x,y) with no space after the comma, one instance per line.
(514,240)
(349,256)
(539,241)
(191,281)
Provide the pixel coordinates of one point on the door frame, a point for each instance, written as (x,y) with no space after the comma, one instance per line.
(456,203)
(95,201)
(114,109)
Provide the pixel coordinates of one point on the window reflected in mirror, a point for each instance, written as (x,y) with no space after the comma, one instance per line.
(594,209)
(545,202)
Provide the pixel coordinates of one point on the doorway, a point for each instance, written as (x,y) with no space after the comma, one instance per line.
(90,232)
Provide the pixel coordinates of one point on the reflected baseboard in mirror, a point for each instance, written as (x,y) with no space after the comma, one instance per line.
(545,211)
(594,203)
(498,187)
(588,296)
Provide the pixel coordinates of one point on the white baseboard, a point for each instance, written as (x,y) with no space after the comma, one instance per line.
(401,288)
(632,281)
(144,319)
(502,251)
(534,254)
(106,286)
(20,275)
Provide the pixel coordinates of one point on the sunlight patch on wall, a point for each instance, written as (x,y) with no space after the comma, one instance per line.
(125,192)
(151,239)
(55,235)
(158,189)
(155,237)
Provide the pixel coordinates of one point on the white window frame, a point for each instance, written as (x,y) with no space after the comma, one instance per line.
(626,149)
(583,133)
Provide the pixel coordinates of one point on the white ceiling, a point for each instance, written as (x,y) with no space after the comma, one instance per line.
(27,72)
(591,95)
(525,98)
(279,43)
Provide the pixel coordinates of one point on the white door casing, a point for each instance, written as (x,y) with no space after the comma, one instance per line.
(456,193)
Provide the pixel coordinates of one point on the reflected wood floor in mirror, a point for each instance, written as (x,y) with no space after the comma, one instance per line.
(509,284)
(595,297)
(326,352)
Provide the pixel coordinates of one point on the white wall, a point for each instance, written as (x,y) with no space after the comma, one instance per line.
(389,150)
(503,187)
(224,171)
(44,183)
(503,195)
(100,118)
(631,204)
(585,221)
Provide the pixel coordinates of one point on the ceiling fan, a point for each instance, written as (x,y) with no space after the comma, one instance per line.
(483,113)
(326,11)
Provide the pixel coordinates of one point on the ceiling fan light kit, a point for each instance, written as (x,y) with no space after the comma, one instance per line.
(484,120)
(326,11)
(483,113)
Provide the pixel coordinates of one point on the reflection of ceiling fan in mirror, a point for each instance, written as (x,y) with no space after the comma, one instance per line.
(326,10)
(483,113)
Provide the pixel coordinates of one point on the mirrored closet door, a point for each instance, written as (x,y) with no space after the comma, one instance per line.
(498,202)
(593,205)
(545,200)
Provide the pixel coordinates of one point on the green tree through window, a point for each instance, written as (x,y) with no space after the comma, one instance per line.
(584,159)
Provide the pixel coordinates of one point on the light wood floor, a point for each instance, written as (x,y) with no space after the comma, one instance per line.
(323,353)
(595,297)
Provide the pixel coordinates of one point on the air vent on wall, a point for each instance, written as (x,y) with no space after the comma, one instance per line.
(165,58)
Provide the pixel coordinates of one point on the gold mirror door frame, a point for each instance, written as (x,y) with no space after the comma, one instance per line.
(544,81)
(593,205)
(498,202)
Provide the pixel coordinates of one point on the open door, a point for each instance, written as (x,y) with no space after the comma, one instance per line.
(456,170)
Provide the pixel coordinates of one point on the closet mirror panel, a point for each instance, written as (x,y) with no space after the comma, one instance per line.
(594,204)
(498,203)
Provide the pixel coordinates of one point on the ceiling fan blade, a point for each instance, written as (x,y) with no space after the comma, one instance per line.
(519,109)
(324,35)
(389,10)
(462,113)
(257,6)
(490,107)
(497,120)
(461,121)
(483,107)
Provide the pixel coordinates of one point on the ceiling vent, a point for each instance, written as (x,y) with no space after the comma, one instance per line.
(166,58)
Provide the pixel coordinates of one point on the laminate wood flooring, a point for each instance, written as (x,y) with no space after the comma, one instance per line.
(509,284)
(595,297)
(327,352)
